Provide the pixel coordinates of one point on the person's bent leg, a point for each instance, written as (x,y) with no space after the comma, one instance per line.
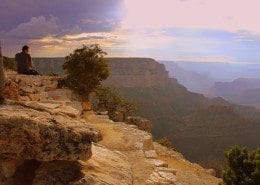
(33,72)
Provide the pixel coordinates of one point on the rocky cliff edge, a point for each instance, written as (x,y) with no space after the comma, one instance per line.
(44,140)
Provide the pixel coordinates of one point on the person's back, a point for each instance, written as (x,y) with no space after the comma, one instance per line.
(23,60)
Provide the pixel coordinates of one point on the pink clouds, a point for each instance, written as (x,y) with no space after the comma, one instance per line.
(228,15)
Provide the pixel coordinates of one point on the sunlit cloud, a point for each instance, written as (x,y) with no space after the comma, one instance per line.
(199,30)
(231,15)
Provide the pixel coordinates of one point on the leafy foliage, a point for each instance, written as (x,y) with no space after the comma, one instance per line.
(109,99)
(85,69)
(9,63)
(243,167)
(256,174)
(164,141)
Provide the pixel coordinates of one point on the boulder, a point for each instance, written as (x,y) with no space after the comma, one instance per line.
(150,154)
(39,142)
(141,123)
(29,134)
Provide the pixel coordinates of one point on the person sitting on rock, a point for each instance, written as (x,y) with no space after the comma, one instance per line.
(24,62)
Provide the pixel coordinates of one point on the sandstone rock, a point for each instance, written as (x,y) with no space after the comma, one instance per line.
(162,178)
(158,163)
(87,106)
(48,105)
(38,96)
(40,143)
(70,111)
(211,172)
(27,134)
(106,167)
(168,152)
(11,90)
(164,169)
(23,98)
(151,154)
(53,107)
(102,112)
(62,95)
(141,123)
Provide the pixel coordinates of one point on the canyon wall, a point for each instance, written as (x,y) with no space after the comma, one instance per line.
(136,72)
(125,72)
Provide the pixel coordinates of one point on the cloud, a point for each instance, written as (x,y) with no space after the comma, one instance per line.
(36,28)
(231,15)
(205,30)
(28,21)
(69,12)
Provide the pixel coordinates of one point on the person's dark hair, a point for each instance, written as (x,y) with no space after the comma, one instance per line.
(25,48)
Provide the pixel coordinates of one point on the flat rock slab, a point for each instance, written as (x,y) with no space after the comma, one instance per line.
(29,134)
(106,167)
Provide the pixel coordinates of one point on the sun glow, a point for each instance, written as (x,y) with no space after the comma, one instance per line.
(231,15)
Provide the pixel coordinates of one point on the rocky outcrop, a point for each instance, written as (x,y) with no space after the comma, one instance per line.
(136,147)
(141,123)
(47,141)
(27,135)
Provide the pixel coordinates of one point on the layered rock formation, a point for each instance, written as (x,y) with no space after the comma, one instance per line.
(136,72)
(42,137)
(44,140)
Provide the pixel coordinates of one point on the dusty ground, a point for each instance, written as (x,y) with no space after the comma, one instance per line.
(119,138)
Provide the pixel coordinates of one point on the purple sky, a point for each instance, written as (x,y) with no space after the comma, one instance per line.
(197,30)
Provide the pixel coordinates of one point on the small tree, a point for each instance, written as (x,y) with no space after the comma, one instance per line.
(127,108)
(109,99)
(85,69)
(2,82)
(242,167)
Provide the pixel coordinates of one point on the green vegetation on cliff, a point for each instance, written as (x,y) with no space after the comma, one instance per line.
(109,99)
(243,167)
(85,69)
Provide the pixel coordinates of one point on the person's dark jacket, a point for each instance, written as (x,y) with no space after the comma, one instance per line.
(24,62)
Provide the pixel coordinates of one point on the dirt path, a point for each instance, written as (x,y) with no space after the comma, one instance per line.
(129,141)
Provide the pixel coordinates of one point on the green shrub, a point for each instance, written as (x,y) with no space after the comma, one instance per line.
(256,173)
(243,167)
(9,63)
(164,141)
(85,69)
(109,99)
